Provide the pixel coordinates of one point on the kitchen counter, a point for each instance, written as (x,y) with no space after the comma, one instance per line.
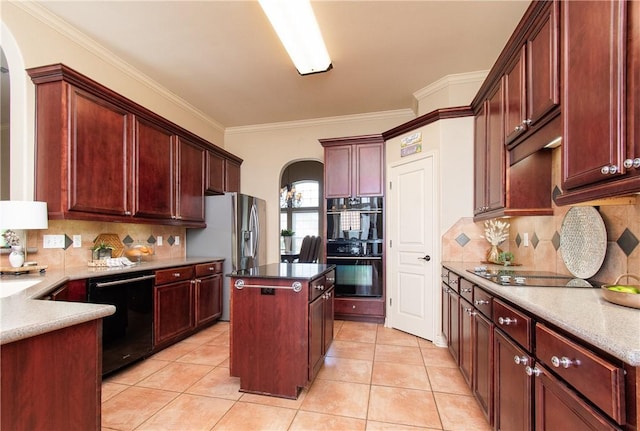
(579,311)
(24,315)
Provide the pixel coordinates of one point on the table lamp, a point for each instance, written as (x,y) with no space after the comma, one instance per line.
(23,215)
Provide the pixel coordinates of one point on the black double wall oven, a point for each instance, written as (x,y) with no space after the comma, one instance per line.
(355,245)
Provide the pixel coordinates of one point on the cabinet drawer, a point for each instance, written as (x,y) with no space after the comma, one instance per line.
(174,274)
(513,322)
(599,380)
(450,278)
(317,287)
(482,301)
(466,289)
(330,279)
(359,307)
(204,269)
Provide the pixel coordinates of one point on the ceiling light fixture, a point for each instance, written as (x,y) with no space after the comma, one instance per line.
(298,30)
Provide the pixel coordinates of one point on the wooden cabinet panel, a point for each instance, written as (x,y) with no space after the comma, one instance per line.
(597,379)
(53,381)
(559,408)
(173,311)
(155,170)
(513,322)
(99,131)
(512,386)
(454,331)
(515,106)
(362,309)
(593,105)
(369,160)
(172,275)
(215,173)
(316,341)
(483,301)
(482,376)
(232,176)
(446,318)
(208,299)
(480,161)
(190,182)
(496,161)
(337,176)
(465,353)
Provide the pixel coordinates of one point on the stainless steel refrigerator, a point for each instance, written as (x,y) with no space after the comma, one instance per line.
(236,231)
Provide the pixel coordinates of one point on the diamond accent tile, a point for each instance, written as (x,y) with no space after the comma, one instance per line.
(151,239)
(518,240)
(128,240)
(462,239)
(556,192)
(555,240)
(627,242)
(67,242)
(171,240)
(535,240)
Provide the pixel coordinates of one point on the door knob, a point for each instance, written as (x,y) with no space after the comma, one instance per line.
(426,257)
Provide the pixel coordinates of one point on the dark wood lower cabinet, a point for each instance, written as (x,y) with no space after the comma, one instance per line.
(482,377)
(53,381)
(513,391)
(173,315)
(465,320)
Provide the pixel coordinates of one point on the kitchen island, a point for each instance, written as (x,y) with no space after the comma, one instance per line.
(281,326)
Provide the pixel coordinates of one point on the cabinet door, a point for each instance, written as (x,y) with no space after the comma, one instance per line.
(100,167)
(496,165)
(483,364)
(173,311)
(559,408)
(515,99)
(316,343)
(543,72)
(454,335)
(593,104)
(155,170)
(208,300)
(215,173)
(327,334)
(465,317)
(513,391)
(480,161)
(190,185)
(446,317)
(232,176)
(338,171)
(369,159)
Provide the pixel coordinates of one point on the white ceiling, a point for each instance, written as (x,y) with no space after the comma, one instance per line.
(223,57)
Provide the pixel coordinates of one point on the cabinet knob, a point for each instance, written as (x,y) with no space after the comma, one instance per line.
(520,360)
(609,170)
(481,302)
(176,274)
(518,128)
(527,122)
(320,287)
(454,281)
(127,213)
(507,321)
(563,362)
(535,371)
(354,307)
(466,290)
(632,163)
(470,311)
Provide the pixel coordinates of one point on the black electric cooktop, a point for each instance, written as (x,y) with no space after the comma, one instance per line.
(516,277)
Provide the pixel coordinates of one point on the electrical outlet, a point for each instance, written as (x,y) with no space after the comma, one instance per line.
(159,241)
(177,240)
(525,239)
(77,241)
(52,241)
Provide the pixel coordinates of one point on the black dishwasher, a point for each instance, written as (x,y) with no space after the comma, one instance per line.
(126,334)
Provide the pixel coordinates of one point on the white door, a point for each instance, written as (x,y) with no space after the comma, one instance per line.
(413,247)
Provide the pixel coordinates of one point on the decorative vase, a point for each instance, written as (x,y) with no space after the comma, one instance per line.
(287,243)
(16,257)
(493,255)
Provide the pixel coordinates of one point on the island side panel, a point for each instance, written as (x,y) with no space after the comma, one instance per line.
(269,337)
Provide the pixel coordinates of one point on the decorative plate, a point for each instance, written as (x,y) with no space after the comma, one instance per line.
(583,241)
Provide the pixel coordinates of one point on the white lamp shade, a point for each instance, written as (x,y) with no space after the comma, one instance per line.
(23,215)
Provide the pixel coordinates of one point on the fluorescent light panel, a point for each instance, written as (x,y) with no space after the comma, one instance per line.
(298,30)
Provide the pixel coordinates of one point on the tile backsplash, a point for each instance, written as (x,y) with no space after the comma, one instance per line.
(173,241)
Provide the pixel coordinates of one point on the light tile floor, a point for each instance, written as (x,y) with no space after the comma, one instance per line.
(373,378)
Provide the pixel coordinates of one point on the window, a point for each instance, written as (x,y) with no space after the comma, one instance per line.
(300,210)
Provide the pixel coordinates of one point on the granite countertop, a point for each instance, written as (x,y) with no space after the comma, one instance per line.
(24,314)
(299,271)
(579,311)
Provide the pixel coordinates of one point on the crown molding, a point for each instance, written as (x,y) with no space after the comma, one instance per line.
(450,80)
(65,29)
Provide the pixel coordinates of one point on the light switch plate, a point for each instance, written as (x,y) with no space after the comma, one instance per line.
(77,241)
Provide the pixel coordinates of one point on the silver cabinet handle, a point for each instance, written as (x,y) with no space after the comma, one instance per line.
(563,362)
(609,170)
(466,290)
(632,163)
(527,122)
(319,287)
(481,302)
(507,321)
(454,281)
(535,371)
(296,286)
(520,360)
(176,274)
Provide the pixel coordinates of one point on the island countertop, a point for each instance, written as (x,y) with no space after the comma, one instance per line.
(297,271)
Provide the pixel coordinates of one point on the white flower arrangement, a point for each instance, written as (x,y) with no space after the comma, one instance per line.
(11,238)
(496,232)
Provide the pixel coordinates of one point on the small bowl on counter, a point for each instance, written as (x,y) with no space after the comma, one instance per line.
(139,251)
(623,294)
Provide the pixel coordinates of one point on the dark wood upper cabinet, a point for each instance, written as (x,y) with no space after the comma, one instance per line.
(515,106)
(600,60)
(223,174)
(100,156)
(354,166)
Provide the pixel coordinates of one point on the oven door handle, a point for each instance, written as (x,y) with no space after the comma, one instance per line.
(125,281)
(354,257)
